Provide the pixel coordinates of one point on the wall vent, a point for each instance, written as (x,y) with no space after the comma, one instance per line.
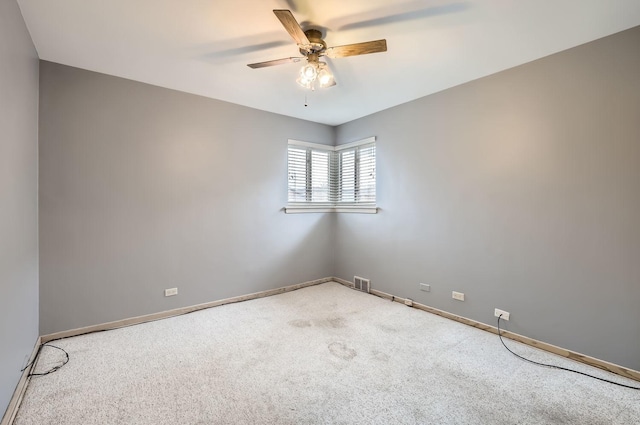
(361,284)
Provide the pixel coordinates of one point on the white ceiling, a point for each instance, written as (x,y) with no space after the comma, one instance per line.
(202,47)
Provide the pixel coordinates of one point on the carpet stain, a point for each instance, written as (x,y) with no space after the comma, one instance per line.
(556,414)
(386,328)
(300,323)
(339,349)
(337,322)
(380,356)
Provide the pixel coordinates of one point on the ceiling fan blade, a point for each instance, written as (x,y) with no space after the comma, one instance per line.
(357,49)
(274,62)
(292,26)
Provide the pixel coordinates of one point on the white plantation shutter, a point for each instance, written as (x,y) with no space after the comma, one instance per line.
(320,177)
(355,176)
(366,193)
(325,176)
(345,176)
(297,174)
(309,180)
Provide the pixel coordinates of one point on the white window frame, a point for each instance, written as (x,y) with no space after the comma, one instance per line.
(334,175)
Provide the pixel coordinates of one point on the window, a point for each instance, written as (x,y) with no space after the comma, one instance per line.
(309,175)
(327,179)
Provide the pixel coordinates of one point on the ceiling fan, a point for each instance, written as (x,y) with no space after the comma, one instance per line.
(313,47)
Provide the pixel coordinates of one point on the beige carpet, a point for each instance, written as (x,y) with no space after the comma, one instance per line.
(320,355)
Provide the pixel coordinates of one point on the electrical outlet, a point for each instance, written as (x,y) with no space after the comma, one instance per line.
(498,312)
(425,287)
(457,296)
(408,301)
(170,292)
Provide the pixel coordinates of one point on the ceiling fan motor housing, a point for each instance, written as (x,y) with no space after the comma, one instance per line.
(316,43)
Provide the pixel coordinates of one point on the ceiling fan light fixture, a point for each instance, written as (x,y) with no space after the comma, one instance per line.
(315,72)
(308,75)
(309,72)
(307,84)
(325,78)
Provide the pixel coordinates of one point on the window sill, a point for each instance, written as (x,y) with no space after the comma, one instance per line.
(310,209)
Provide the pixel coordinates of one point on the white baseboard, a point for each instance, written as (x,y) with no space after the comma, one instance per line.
(16,399)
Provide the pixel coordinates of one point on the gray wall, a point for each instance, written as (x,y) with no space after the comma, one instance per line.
(521,190)
(18,197)
(144,188)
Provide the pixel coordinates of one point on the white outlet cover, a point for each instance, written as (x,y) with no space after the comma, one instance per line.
(498,312)
(457,296)
(170,292)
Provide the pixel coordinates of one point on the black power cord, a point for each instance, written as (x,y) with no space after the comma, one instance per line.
(53,369)
(558,367)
